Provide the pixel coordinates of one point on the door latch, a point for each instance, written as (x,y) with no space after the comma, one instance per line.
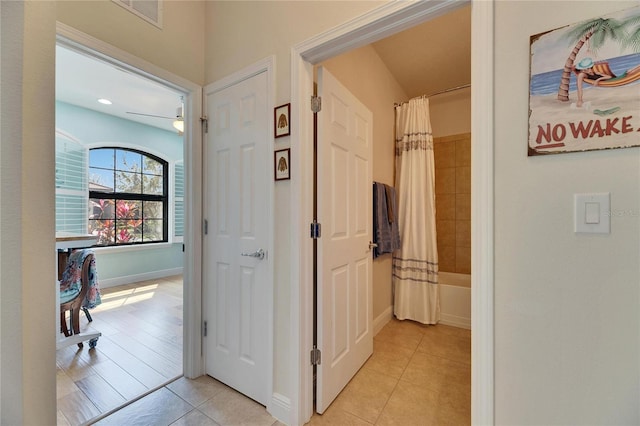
(258,254)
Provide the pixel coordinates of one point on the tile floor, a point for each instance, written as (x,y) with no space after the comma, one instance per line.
(418,375)
(203,401)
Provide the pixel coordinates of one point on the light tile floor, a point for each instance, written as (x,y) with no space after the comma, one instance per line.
(418,375)
(203,401)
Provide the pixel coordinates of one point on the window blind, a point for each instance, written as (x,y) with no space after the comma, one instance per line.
(178,200)
(71,185)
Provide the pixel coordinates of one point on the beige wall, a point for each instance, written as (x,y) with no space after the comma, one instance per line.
(239,33)
(27,365)
(178,47)
(451,113)
(567,306)
(365,75)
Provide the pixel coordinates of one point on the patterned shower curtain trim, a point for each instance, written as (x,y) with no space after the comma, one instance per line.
(422,141)
(415,270)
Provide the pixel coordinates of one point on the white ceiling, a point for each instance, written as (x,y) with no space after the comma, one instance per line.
(428,58)
(81,81)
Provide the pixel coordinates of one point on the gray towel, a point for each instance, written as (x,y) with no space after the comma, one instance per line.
(386,232)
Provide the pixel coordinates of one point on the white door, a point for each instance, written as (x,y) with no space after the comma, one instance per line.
(345,335)
(237,283)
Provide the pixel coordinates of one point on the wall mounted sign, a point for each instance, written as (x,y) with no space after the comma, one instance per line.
(584,85)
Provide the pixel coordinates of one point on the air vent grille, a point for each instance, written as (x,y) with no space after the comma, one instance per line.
(149,10)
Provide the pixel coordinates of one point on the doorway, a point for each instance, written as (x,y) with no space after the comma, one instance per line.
(331,43)
(187,96)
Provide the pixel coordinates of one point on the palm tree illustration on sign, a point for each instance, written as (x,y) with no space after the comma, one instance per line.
(596,32)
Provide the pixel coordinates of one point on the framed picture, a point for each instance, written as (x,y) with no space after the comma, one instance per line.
(281,120)
(582,95)
(281,164)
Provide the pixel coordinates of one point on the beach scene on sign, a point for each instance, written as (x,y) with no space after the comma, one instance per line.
(584,87)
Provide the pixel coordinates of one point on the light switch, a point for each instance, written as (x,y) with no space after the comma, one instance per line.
(592,213)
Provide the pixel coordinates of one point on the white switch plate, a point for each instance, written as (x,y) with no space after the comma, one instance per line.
(592,213)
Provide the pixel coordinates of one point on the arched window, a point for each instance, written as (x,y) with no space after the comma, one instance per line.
(128,197)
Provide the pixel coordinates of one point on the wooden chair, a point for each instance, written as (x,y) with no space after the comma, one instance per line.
(74,306)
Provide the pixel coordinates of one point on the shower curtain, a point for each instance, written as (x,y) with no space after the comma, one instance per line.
(415,265)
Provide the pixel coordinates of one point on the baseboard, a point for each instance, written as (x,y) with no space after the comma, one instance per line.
(381,320)
(128,279)
(280,408)
(455,321)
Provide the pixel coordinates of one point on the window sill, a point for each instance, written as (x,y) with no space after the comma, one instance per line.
(123,249)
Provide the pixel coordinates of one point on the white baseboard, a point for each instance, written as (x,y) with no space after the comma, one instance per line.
(128,279)
(381,320)
(455,321)
(280,408)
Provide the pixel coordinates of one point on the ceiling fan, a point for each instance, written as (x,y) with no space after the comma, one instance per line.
(178,120)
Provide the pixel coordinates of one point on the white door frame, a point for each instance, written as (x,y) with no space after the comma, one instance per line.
(379,23)
(192,364)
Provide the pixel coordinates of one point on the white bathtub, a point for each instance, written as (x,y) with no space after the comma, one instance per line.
(455,299)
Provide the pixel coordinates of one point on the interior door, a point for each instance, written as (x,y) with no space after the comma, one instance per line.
(237,283)
(345,335)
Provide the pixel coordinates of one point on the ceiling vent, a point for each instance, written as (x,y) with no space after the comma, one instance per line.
(149,10)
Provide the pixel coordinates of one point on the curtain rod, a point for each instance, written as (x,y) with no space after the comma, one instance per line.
(451,89)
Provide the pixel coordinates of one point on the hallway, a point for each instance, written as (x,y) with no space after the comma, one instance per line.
(417,375)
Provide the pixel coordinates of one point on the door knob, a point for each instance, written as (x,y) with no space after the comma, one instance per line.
(258,254)
(372,245)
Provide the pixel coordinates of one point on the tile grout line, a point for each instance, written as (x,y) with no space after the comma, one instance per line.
(131,401)
(398,380)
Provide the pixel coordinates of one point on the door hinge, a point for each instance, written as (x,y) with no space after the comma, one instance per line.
(316,356)
(315,230)
(316,104)
(205,124)
(204,329)
(206,227)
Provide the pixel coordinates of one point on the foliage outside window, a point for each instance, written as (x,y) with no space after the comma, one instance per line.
(128,201)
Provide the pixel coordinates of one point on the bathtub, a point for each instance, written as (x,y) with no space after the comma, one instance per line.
(455,299)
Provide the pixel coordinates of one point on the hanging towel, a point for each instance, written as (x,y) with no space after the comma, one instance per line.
(386,232)
(391,198)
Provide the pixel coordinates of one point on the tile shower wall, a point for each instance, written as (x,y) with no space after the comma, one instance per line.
(452,156)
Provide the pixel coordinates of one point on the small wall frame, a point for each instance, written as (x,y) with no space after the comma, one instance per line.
(281,164)
(281,120)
